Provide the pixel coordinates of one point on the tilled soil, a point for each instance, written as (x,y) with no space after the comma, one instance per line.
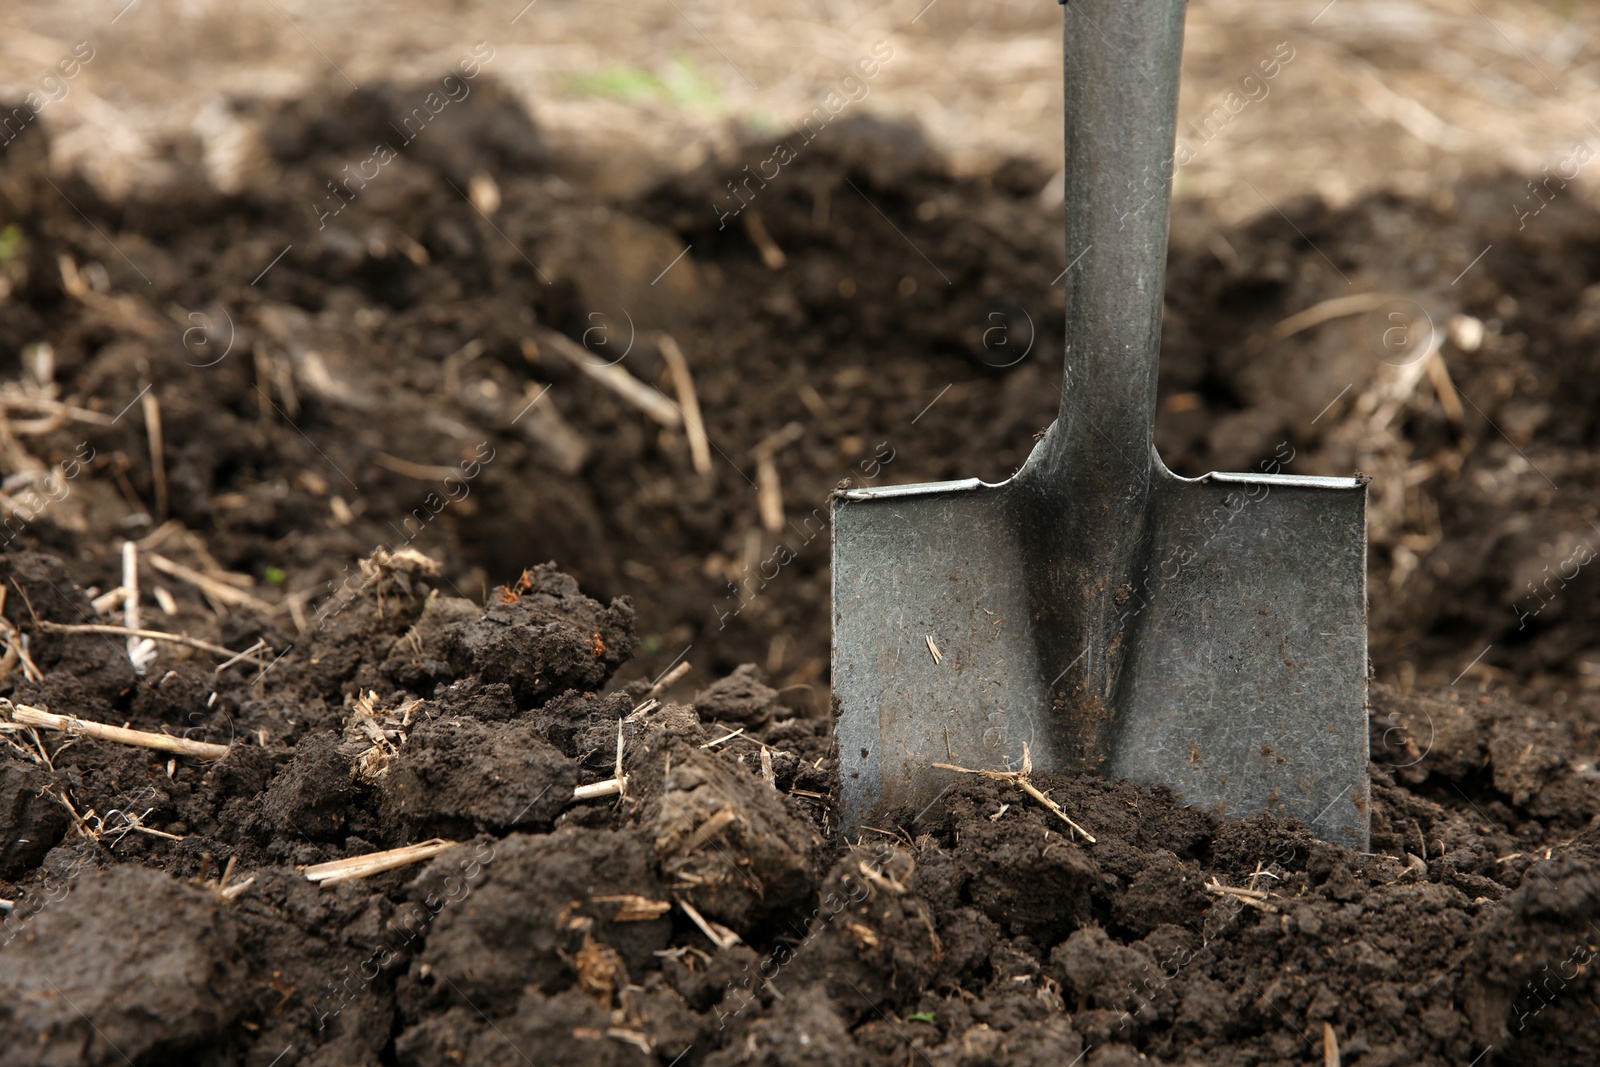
(372,388)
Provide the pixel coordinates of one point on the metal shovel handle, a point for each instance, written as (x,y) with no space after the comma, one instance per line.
(1121,85)
(1084,495)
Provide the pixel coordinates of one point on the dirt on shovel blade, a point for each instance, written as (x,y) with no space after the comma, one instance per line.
(334,481)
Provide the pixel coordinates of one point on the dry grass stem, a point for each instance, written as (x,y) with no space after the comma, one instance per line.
(131,823)
(237,889)
(709,829)
(141,650)
(238,657)
(80,823)
(16,396)
(182,746)
(632,908)
(457,360)
(718,934)
(723,739)
(609,787)
(154,635)
(424,472)
(636,1038)
(689,401)
(1326,311)
(778,440)
(622,779)
(669,679)
(1020,780)
(1256,898)
(1445,389)
(227,592)
(109,599)
(771,255)
(158,453)
(614,377)
(336,871)
(769,493)
(15,643)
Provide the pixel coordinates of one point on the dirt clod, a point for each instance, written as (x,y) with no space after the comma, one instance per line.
(543,641)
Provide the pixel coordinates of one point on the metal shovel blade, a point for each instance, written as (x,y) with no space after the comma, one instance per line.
(1206,634)
(1244,689)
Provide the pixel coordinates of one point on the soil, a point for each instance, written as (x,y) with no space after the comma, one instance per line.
(348,457)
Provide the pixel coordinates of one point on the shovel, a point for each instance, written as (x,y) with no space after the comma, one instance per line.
(1208,634)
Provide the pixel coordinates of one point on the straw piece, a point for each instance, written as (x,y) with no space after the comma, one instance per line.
(425,472)
(622,779)
(709,829)
(336,871)
(633,908)
(1326,311)
(1445,389)
(725,737)
(237,888)
(261,643)
(119,631)
(778,440)
(1256,898)
(615,378)
(213,587)
(31,716)
(609,787)
(689,401)
(141,650)
(109,599)
(771,255)
(669,679)
(769,495)
(1020,779)
(15,644)
(455,361)
(158,457)
(719,935)
(16,397)
(636,1038)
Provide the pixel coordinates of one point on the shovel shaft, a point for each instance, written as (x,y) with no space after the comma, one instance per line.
(1084,495)
(1121,82)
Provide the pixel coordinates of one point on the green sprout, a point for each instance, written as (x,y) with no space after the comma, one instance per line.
(621,83)
(683,83)
(920,1017)
(650,643)
(761,122)
(274,576)
(10,243)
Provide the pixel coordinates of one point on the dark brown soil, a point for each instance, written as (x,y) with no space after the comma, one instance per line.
(350,433)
